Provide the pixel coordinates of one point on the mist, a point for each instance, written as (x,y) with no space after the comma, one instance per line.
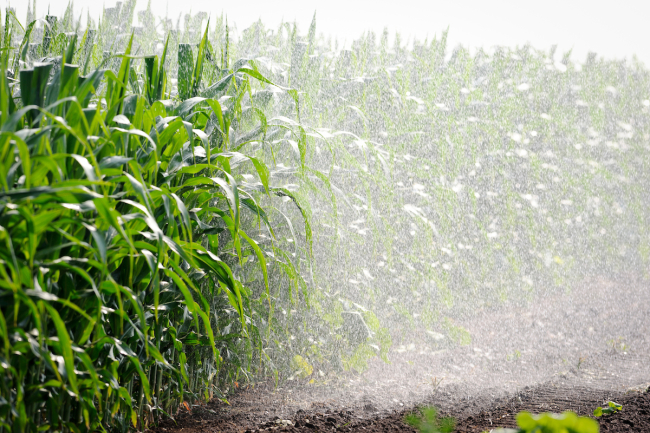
(443,207)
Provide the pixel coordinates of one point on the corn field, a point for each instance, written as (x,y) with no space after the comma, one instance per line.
(185,207)
(128,231)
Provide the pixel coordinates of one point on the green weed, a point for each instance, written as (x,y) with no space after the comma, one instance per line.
(426,420)
(567,422)
(618,344)
(611,408)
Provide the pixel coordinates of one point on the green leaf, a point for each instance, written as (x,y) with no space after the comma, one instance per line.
(261,258)
(615,405)
(185,71)
(214,90)
(200,58)
(525,421)
(283,192)
(143,377)
(184,108)
(22,50)
(33,83)
(65,345)
(586,425)
(185,215)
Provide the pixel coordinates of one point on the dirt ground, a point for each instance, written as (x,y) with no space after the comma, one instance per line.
(561,351)
(246,413)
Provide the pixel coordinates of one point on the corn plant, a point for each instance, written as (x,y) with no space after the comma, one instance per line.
(436,182)
(132,282)
(464,179)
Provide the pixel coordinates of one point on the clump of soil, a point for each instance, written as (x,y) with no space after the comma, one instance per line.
(247,413)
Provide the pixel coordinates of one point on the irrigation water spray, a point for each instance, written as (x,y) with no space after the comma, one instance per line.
(399,218)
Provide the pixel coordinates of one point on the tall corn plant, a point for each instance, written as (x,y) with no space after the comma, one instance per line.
(471,179)
(122,218)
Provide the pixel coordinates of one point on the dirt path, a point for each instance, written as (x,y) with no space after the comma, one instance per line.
(247,413)
(560,352)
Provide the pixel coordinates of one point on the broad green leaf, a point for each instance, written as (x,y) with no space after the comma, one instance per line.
(185,71)
(65,345)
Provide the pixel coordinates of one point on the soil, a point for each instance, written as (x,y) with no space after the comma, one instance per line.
(634,417)
(559,351)
(247,413)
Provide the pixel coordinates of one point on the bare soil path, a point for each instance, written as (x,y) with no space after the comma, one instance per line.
(560,351)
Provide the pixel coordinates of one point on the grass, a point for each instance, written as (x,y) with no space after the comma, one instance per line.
(172,223)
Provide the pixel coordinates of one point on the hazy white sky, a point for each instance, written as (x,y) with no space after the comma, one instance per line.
(613,29)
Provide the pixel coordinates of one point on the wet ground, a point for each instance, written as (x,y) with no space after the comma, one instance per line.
(562,351)
(634,417)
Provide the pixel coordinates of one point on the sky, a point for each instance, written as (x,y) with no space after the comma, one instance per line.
(611,29)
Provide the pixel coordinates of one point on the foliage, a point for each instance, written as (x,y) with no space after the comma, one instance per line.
(611,408)
(567,422)
(427,421)
(301,367)
(618,344)
(136,246)
(467,178)
(457,333)
(447,179)
(481,177)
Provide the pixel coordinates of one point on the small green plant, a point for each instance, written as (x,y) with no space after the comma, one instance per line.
(618,344)
(434,382)
(566,422)
(513,356)
(612,408)
(457,333)
(427,421)
(301,367)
